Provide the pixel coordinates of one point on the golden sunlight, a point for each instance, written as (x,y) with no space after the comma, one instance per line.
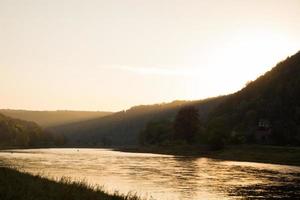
(151,99)
(243,56)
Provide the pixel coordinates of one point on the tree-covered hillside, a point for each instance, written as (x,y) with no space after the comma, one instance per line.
(19,133)
(53,118)
(267,110)
(123,128)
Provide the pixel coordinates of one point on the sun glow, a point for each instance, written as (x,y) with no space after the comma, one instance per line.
(243,57)
(111,55)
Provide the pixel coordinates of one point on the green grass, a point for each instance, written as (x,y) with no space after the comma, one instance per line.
(249,153)
(16,185)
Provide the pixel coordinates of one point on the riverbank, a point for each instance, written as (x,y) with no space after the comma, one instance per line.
(247,153)
(20,185)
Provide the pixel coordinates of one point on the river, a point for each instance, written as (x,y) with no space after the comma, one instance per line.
(163,177)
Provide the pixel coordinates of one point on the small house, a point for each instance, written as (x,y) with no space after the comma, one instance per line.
(264,124)
(263,133)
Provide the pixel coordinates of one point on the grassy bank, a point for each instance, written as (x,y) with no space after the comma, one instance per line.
(249,153)
(18,185)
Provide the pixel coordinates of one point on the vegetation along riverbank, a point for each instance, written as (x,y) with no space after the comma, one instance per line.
(247,153)
(19,185)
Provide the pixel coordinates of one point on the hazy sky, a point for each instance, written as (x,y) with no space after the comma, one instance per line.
(112,54)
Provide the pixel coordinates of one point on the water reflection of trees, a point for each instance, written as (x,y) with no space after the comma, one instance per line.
(278,185)
(174,177)
(184,177)
(192,178)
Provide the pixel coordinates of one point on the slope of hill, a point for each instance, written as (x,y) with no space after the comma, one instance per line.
(122,128)
(15,132)
(267,110)
(53,118)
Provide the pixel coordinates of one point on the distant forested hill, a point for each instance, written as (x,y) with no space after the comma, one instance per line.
(123,128)
(53,118)
(20,133)
(267,110)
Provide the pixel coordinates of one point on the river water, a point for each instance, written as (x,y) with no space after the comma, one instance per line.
(161,177)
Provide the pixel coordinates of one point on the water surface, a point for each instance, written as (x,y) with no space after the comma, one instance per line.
(160,176)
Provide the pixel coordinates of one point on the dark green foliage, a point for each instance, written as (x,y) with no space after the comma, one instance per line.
(215,140)
(16,185)
(123,128)
(187,124)
(157,133)
(274,96)
(185,129)
(106,142)
(19,133)
(216,134)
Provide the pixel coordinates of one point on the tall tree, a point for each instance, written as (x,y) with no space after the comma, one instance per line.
(186,124)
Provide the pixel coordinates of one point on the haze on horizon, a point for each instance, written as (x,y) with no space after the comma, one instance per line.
(110,55)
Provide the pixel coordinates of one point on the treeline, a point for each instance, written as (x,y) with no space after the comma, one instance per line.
(123,128)
(185,129)
(19,133)
(266,111)
(273,98)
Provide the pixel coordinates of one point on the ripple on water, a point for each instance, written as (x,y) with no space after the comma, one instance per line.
(161,176)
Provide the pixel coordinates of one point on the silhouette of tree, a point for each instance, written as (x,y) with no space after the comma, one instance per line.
(186,124)
(156,132)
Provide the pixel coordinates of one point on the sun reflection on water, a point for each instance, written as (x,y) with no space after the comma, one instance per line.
(161,176)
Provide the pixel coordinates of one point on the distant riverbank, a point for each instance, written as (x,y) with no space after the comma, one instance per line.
(248,153)
(20,185)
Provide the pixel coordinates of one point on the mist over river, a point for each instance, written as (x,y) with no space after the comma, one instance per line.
(161,177)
